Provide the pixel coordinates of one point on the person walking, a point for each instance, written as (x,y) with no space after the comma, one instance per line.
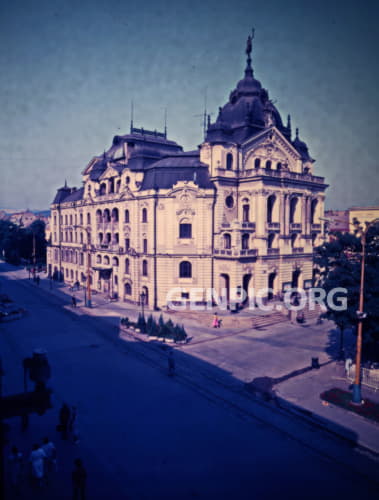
(171,363)
(79,480)
(37,458)
(51,457)
(64,418)
(73,425)
(15,461)
(216,322)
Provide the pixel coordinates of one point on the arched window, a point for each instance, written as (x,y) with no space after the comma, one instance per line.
(116,239)
(268,164)
(185,269)
(115,215)
(313,211)
(127,216)
(278,166)
(106,260)
(98,259)
(99,217)
(257,162)
(128,289)
(270,240)
(108,238)
(127,266)
(144,268)
(293,204)
(100,236)
(127,180)
(103,188)
(245,213)
(227,241)
(115,261)
(229,161)
(270,207)
(245,242)
(144,215)
(106,215)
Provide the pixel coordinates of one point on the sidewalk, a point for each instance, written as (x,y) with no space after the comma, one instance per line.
(238,355)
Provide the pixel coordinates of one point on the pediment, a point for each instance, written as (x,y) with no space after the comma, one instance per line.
(109,172)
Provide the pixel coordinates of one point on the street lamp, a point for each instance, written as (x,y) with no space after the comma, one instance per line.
(357,397)
(87,297)
(143,297)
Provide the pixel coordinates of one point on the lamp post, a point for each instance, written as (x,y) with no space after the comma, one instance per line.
(357,397)
(87,296)
(142,297)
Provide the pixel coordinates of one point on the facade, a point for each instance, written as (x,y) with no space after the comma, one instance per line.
(240,212)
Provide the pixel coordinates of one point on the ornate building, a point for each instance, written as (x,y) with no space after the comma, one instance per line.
(240,212)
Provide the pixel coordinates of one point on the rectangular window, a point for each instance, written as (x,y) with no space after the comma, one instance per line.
(127,243)
(144,246)
(185,231)
(185,295)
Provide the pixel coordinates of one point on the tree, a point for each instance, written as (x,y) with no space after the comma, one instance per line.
(339,265)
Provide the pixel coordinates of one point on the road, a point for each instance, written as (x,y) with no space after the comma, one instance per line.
(145,435)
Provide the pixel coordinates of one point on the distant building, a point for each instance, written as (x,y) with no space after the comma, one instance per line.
(338,221)
(363,214)
(240,212)
(26,218)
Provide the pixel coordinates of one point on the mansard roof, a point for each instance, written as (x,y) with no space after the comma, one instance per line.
(167,172)
(66,194)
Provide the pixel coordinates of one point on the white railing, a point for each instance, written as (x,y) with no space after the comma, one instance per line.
(369,377)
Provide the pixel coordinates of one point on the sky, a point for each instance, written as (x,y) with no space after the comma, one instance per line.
(69,71)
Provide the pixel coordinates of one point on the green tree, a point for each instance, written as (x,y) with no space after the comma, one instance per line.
(339,265)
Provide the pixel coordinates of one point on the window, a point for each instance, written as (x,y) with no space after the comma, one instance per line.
(106,260)
(115,261)
(98,259)
(127,180)
(185,230)
(65,220)
(99,217)
(127,216)
(270,208)
(313,211)
(115,215)
(293,240)
(144,268)
(118,184)
(245,213)
(106,215)
(245,242)
(268,164)
(81,238)
(227,239)
(55,220)
(127,266)
(88,219)
(279,166)
(145,245)
(229,201)
(185,269)
(144,215)
(293,204)
(257,162)
(108,238)
(100,236)
(270,240)
(81,219)
(116,239)
(229,161)
(127,243)
(128,289)
(103,189)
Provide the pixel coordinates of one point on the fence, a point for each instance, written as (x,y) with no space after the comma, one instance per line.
(369,377)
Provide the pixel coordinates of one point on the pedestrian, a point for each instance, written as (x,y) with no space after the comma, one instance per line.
(171,363)
(79,479)
(51,456)
(15,461)
(64,418)
(73,425)
(215,322)
(73,298)
(37,280)
(37,458)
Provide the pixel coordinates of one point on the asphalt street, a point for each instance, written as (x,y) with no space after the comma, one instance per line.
(144,435)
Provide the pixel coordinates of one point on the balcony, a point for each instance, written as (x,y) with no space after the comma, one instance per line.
(236,253)
(249,252)
(295,226)
(248,225)
(283,174)
(273,251)
(316,227)
(298,250)
(273,226)
(223,251)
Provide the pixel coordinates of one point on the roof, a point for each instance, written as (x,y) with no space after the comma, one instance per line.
(67,194)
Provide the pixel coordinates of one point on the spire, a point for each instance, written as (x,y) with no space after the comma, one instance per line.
(289,124)
(249,48)
(297,133)
(131,116)
(65,183)
(165,123)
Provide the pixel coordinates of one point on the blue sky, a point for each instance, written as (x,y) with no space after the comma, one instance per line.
(69,71)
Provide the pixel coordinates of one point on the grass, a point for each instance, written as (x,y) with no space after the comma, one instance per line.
(338,397)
